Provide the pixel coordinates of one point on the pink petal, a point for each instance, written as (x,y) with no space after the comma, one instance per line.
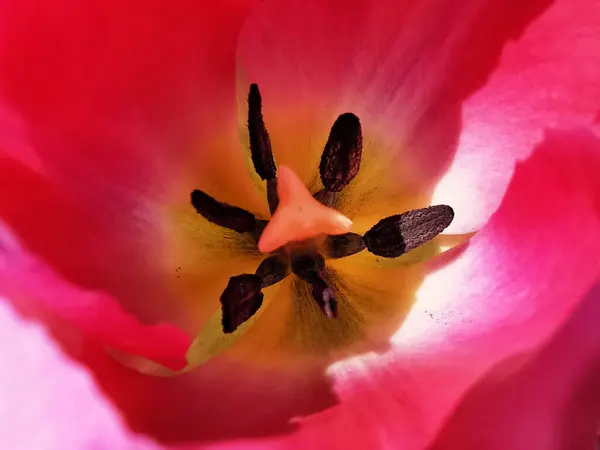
(492,320)
(553,402)
(403,67)
(217,403)
(40,291)
(48,401)
(549,77)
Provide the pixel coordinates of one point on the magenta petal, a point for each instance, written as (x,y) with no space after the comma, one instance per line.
(39,290)
(548,77)
(48,401)
(479,319)
(546,400)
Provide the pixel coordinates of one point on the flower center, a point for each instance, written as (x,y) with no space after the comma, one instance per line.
(305,230)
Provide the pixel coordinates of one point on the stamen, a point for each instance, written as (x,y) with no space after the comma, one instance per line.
(399,234)
(272,195)
(240,300)
(325,298)
(308,223)
(222,214)
(243,297)
(310,267)
(258,229)
(260,144)
(273,269)
(343,245)
(342,154)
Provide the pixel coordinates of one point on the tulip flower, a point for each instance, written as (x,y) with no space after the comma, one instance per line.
(322,224)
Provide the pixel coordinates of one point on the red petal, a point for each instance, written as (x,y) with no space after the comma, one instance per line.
(119,100)
(215,403)
(116,253)
(40,291)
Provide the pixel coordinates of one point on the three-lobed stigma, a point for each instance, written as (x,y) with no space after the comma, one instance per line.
(304,231)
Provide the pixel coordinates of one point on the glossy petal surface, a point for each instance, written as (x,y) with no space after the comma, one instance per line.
(548,77)
(61,410)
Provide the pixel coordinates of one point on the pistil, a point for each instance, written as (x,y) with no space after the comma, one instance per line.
(304,230)
(299,216)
